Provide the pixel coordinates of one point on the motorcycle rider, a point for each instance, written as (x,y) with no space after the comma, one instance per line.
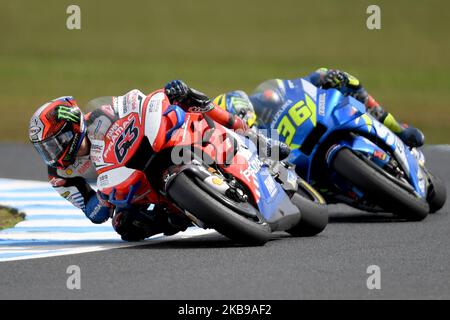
(239,103)
(62,136)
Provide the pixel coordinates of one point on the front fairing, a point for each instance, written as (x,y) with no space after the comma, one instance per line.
(252,172)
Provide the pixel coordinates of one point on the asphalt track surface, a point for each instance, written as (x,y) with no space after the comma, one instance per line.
(414,258)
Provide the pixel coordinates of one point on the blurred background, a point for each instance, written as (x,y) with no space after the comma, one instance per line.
(217,46)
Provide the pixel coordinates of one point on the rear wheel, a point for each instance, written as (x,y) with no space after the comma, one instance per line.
(379,188)
(190,195)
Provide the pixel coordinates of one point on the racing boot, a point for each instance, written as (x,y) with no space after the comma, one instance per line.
(137,223)
(411,136)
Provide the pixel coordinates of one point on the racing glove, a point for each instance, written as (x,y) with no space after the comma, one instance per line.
(179,93)
(176,91)
(344,82)
(334,79)
(98,210)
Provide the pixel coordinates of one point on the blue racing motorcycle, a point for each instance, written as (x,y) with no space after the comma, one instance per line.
(346,153)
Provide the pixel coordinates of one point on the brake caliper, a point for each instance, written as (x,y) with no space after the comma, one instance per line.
(235,192)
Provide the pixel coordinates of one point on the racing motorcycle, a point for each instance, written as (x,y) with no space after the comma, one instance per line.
(156,153)
(346,153)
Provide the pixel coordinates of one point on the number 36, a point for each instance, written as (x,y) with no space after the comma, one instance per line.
(299,113)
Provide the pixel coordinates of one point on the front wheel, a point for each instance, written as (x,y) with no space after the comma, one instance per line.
(379,188)
(188,194)
(313,210)
(437,195)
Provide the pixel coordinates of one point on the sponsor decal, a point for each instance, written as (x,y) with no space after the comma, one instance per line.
(65,194)
(254,165)
(84,167)
(69,172)
(72,147)
(124,106)
(271,186)
(70,114)
(114,131)
(206,108)
(379,155)
(96,155)
(103,180)
(108,149)
(154,105)
(217,181)
(322,104)
(133,101)
(96,146)
(35,130)
(153,116)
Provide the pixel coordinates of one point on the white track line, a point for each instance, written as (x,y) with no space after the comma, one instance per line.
(46,212)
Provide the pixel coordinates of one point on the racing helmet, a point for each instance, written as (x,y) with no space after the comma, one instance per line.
(267,99)
(237,102)
(57,130)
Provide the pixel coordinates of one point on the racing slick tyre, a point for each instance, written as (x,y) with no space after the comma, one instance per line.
(437,194)
(313,210)
(379,187)
(190,195)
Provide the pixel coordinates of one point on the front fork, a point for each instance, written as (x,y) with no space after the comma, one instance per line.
(215,184)
(363,146)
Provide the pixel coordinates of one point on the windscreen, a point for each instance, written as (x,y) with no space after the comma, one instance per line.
(97,103)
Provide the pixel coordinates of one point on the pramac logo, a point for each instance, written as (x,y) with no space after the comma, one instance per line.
(125,141)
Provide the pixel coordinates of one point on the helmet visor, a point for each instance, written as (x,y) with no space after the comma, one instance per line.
(53,148)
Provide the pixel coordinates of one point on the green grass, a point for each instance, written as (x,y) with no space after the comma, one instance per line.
(9,217)
(222,45)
